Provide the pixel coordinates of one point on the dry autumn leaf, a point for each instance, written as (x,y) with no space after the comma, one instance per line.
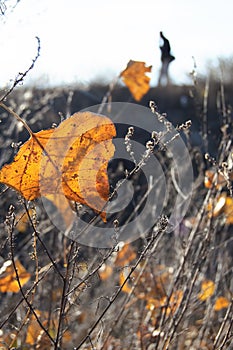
(223,204)
(105,272)
(174,302)
(69,161)
(217,178)
(123,281)
(125,255)
(76,167)
(216,206)
(135,78)
(207,290)
(23,173)
(153,304)
(221,303)
(212,178)
(37,336)
(228,210)
(8,280)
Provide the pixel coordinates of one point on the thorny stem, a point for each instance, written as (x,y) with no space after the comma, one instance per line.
(184,260)
(93,272)
(63,299)
(31,290)
(19,283)
(41,242)
(142,269)
(161,230)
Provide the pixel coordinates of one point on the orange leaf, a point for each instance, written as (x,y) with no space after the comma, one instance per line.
(8,281)
(122,278)
(8,340)
(69,161)
(157,304)
(23,173)
(125,255)
(221,303)
(175,300)
(34,329)
(223,204)
(216,206)
(105,272)
(210,176)
(207,290)
(228,210)
(135,78)
(36,335)
(153,304)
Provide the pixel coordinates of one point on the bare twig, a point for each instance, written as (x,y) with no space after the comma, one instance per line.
(11,230)
(20,77)
(205,121)
(154,237)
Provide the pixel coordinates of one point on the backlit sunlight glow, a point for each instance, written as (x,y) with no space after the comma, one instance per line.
(87,41)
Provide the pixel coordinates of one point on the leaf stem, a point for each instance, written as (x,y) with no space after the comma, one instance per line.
(16,116)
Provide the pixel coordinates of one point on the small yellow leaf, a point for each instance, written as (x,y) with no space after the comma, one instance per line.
(174,302)
(210,176)
(221,303)
(153,304)
(105,272)
(207,290)
(126,287)
(228,210)
(216,206)
(125,255)
(222,204)
(135,78)
(8,280)
(37,336)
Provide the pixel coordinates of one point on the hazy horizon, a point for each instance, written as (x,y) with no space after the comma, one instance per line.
(86,42)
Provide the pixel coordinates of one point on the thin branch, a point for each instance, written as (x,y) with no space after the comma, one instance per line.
(31,290)
(41,242)
(161,230)
(223,324)
(205,120)
(16,116)
(20,77)
(63,299)
(11,229)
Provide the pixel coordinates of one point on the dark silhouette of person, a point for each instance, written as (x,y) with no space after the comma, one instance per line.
(166,59)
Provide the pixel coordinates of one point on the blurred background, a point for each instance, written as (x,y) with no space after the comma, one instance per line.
(82,42)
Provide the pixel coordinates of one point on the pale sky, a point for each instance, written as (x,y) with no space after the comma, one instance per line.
(82,41)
